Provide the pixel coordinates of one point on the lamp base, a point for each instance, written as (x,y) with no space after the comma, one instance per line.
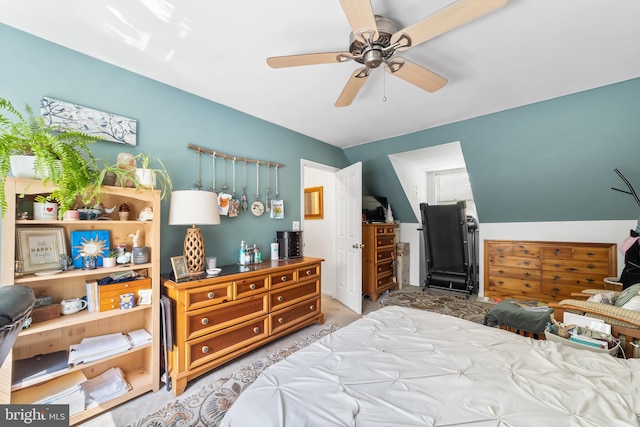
(194,250)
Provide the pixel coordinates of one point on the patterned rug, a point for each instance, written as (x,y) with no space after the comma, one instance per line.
(207,406)
(458,306)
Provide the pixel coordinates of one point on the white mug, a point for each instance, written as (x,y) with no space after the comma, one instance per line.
(70,306)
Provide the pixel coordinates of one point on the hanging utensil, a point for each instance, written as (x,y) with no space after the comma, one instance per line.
(243,197)
(213,172)
(277,205)
(234,206)
(268,201)
(198,184)
(257,208)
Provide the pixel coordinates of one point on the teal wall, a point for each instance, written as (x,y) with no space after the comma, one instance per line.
(168,120)
(549,161)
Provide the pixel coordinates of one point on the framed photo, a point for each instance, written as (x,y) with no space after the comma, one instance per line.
(40,248)
(179,265)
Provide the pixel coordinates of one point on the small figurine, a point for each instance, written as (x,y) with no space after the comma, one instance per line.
(66,263)
(146,214)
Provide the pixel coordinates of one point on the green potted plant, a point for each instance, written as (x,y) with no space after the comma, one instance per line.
(149,177)
(61,158)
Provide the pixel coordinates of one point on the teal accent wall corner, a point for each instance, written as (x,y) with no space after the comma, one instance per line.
(168,120)
(549,161)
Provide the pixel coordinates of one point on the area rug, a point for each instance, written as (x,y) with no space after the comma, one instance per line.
(207,406)
(458,306)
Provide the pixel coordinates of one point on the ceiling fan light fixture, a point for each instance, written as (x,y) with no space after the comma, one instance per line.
(373,57)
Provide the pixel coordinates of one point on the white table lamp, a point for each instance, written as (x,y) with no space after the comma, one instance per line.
(194,207)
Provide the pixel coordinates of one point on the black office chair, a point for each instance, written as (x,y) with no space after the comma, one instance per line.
(16,303)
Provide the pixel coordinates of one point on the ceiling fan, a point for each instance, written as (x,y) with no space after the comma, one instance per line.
(376,40)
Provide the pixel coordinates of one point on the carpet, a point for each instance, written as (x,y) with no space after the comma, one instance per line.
(457,306)
(207,406)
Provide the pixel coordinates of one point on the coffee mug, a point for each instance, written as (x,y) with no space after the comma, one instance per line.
(70,306)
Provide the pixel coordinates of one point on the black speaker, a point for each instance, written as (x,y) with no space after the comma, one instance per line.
(289,244)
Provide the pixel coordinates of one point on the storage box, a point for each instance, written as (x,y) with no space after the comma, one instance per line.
(109,295)
(47,312)
(564,341)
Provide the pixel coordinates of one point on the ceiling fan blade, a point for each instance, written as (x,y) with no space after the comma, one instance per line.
(353,86)
(446,19)
(308,59)
(415,74)
(361,19)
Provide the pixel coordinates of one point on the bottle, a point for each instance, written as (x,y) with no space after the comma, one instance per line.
(241,253)
(258,255)
(274,250)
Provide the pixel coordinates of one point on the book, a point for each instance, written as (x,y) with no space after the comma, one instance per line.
(581,339)
(40,367)
(96,348)
(93,303)
(127,301)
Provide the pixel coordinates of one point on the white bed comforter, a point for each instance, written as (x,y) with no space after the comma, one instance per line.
(406,367)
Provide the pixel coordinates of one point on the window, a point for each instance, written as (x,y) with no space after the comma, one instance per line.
(452,186)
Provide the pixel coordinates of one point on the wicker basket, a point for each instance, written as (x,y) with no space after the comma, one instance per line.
(612,284)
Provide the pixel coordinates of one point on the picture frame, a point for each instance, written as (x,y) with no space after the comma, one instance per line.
(313,203)
(179,265)
(39,248)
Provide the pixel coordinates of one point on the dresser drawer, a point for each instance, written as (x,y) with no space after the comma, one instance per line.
(585,280)
(310,272)
(251,286)
(286,296)
(109,295)
(202,350)
(385,229)
(385,240)
(384,281)
(514,261)
(289,316)
(384,268)
(526,250)
(206,320)
(503,249)
(519,285)
(573,266)
(385,254)
(283,278)
(205,296)
(514,273)
(576,253)
(558,292)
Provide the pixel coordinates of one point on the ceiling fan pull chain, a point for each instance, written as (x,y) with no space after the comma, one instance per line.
(384,87)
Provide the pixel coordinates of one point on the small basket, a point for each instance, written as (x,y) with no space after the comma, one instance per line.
(612,284)
(553,337)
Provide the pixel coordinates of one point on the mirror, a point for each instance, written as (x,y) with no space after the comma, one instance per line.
(313,206)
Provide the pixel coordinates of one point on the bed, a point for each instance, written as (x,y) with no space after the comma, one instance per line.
(401,366)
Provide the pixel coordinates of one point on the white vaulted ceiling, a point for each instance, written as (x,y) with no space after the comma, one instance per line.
(528,51)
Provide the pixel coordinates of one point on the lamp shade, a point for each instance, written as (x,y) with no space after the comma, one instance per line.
(190,207)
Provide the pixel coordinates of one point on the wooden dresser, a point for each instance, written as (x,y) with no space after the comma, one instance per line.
(545,271)
(378,256)
(220,318)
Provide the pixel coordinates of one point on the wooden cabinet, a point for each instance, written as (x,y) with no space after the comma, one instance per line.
(378,257)
(220,318)
(140,365)
(546,271)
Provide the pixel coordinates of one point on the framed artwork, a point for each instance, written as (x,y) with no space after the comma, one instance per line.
(96,243)
(313,203)
(179,265)
(63,116)
(40,248)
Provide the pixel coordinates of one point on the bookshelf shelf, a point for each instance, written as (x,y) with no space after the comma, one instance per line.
(140,364)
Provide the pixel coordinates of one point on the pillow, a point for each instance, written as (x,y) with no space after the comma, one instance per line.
(603,298)
(627,294)
(633,304)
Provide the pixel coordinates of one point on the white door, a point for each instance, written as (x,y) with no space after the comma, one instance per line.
(349,237)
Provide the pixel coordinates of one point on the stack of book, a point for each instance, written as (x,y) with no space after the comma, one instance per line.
(106,386)
(581,339)
(64,390)
(96,348)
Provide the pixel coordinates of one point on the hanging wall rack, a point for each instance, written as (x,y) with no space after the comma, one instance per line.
(228,157)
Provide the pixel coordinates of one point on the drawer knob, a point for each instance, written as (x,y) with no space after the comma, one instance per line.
(500,282)
(204,321)
(280,298)
(256,330)
(557,277)
(210,295)
(591,266)
(500,271)
(281,320)
(527,263)
(527,285)
(205,349)
(252,286)
(312,307)
(556,252)
(590,280)
(591,254)
(556,290)
(309,272)
(527,274)
(500,250)
(283,278)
